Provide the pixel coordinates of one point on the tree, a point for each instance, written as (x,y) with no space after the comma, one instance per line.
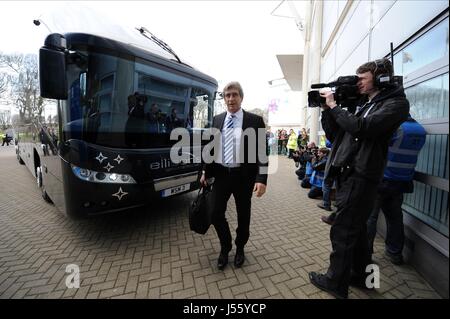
(3,83)
(200,110)
(24,83)
(5,119)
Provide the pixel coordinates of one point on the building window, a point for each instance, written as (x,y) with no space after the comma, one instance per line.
(430,47)
(429,99)
(424,63)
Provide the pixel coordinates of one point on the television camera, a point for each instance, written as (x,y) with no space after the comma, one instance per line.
(345,92)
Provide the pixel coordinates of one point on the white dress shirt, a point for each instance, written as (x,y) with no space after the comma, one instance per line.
(237,128)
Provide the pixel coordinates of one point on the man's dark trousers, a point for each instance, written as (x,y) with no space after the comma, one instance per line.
(355,198)
(391,205)
(237,182)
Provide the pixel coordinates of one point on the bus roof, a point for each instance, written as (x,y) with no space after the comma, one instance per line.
(135,50)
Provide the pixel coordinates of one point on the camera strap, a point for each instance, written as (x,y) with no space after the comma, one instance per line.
(364,107)
(370,108)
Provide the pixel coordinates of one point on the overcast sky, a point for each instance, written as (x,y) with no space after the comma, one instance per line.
(228,40)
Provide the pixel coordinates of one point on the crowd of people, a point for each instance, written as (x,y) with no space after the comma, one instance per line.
(283,143)
(368,164)
(365,167)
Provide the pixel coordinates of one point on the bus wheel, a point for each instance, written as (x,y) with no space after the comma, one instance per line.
(45,196)
(21,162)
(41,186)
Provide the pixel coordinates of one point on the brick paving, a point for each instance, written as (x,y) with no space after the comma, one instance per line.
(151,252)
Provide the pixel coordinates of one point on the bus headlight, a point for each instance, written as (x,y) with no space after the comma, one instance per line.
(102,177)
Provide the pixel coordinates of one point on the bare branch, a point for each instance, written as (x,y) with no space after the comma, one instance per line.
(24,83)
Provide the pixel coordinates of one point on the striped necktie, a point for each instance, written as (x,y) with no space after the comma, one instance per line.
(228,150)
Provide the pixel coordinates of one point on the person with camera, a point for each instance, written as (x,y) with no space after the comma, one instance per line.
(300,162)
(318,166)
(308,155)
(327,187)
(357,160)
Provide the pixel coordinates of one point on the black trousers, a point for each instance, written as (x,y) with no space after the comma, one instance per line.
(240,184)
(355,198)
(391,205)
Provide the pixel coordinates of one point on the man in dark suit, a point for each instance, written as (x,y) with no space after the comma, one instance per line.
(240,168)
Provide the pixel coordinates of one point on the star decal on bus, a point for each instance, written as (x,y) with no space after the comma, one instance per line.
(118,159)
(108,167)
(120,193)
(100,157)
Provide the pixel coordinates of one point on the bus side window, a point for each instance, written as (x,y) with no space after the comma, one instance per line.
(199,110)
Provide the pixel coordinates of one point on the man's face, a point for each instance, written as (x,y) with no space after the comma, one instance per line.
(233,100)
(365,83)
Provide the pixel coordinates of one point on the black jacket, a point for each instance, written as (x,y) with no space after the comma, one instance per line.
(361,143)
(320,165)
(258,170)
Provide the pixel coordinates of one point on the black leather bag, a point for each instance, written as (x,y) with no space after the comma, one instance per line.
(200,211)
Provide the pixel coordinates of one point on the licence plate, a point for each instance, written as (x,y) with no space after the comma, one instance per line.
(175,190)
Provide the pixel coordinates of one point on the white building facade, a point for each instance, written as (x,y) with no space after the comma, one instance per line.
(340,36)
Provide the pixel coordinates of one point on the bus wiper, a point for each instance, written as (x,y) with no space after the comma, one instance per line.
(159,42)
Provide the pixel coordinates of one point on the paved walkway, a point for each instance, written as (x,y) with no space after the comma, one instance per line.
(151,253)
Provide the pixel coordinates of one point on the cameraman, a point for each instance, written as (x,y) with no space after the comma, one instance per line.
(357,160)
(318,165)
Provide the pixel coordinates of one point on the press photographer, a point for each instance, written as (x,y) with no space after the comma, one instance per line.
(300,159)
(357,159)
(318,166)
(304,156)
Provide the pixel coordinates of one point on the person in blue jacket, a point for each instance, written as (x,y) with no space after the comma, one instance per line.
(318,167)
(398,177)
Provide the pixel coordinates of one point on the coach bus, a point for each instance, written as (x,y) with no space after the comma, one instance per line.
(108,148)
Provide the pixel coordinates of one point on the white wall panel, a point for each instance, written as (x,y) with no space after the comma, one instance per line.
(354,30)
(380,8)
(401,22)
(330,17)
(358,57)
(328,66)
(315,58)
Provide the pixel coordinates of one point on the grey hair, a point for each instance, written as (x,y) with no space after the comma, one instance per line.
(234,85)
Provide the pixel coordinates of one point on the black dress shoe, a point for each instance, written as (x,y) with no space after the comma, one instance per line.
(321,282)
(396,259)
(326,220)
(329,219)
(239,258)
(222,261)
(328,208)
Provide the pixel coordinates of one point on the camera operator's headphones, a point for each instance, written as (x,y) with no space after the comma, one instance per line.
(385,79)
